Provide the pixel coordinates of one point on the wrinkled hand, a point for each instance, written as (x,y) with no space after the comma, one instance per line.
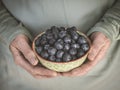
(100,45)
(24,57)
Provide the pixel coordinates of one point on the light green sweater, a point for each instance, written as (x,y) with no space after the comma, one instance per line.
(41,14)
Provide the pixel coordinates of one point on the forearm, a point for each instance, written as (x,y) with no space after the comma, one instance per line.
(110,23)
(10,27)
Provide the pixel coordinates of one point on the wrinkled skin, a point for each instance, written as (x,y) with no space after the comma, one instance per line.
(99,47)
(24,57)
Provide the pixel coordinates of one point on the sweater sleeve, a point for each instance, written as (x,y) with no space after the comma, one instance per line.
(110,23)
(10,27)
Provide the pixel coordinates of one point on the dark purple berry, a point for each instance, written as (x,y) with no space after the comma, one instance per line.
(66,57)
(51,41)
(52,50)
(62,33)
(58,45)
(52,58)
(80,53)
(82,40)
(73,41)
(49,36)
(62,29)
(60,41)
(74,35)
(85,47)
(75,45)
(48,31)
(46,46)
(43,36)
(73,28)
(58,60)
(44,54)
(73,51)
(37,41)
(66,46)
(59,54)
(38,49)
(54,29)
(67,39)
(74,57)
(43,41)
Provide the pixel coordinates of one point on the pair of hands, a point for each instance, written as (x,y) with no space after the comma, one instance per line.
(24,57)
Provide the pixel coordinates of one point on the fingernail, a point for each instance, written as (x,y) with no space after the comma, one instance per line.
(91,56)
(34,61)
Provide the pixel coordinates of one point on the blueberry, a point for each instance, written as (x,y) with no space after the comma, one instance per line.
(68,29)
(52,50)
(37,42)
(73,28)
(74,57)
(49,36)
(52,58)
(66,46)
(44,54)
(54,29)
(43,36)
(74,35)
(67,39)
(58,60)
(38,49)
(62,33)
(73,41)
(80,53)
(60,41)
(62,29)
(73,51)
(85,47)
(58,45)
(75,45)
(59,54)
(43,41)
(51,41)
(48,31)
(66,57)
(82,40)
(46,46)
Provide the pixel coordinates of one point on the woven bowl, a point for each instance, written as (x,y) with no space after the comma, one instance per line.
(61,66)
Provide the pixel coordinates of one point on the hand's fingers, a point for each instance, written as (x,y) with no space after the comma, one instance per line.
(96,47)
(99,40)
(24,47)
(82,70)
(102,52)
(19,60)
(43,76)
(42,72)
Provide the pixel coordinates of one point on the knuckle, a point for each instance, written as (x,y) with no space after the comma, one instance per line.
(29,54)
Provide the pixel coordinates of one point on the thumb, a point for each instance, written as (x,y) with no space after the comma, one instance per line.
(98,41)
(22,44)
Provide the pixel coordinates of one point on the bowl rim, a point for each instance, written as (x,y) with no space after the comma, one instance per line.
(39,57)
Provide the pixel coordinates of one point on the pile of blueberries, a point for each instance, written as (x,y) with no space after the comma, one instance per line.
(61,45)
